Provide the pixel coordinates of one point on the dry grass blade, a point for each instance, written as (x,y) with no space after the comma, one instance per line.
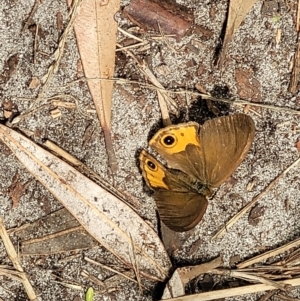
(237,291)
(110,269)
(13,256)
(234,219)
(249,277)
(269,254)
(103,215)
(238,9)
(96,34)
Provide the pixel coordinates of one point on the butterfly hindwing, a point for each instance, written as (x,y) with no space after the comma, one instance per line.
(179,206)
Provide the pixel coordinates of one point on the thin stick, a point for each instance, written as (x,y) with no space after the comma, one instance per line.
(109,269)
(298,16)
(248,277)
(60,49)
(296,68)
(162,94)
(235,102)
(269,254)
(188,273)
(267,296)
(13,256)
(234,219)
(29,19)
(237,291)
(285,298)
(125,33)
(35,43)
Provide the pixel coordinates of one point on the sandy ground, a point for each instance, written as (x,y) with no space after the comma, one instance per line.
(136,112)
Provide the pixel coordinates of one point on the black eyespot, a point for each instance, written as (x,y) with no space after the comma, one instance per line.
(151,165)
(169,140)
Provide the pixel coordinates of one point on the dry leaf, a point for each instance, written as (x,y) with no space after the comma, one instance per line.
(297,145)
(54,233)
(96,34)
(16,190)
(110,221)
(247,85)
(238,9)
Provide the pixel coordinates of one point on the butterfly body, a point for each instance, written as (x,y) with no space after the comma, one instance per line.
(198,160)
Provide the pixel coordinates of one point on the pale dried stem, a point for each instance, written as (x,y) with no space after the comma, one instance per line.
(188,273)
(269,254)
(13,256)
(237,291)
(109,269)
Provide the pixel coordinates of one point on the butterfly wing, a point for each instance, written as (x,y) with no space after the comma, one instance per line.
(180,211)
(225,143)
(179,207)
(171,143)
(210,156)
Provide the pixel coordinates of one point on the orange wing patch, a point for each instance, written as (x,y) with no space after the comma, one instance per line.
(174,139)
(153,171)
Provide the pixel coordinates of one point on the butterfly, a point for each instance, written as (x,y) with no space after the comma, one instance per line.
(199,159)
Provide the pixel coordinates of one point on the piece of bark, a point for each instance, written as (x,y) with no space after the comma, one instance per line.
(167,16)
(293,87)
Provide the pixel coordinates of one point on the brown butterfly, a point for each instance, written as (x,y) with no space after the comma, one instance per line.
(199,158)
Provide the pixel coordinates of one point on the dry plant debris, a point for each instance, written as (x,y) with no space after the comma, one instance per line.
(171,67)
(96,34)
(104,216)
(237,11)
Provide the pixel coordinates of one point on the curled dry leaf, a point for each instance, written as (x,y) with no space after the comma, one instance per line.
(110,221)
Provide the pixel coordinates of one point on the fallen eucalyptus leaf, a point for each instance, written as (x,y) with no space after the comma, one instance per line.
(238,9)
(96,34)
(110,221)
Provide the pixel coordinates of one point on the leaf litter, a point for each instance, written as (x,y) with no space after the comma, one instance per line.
(270,146)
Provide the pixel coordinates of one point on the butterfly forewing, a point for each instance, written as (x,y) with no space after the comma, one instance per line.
(225,142)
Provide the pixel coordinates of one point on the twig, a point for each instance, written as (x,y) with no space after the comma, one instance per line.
(35,43)
(60,49)
(285,298)
(188,273)
(92,278)
(109,269)
(29,19)
(135,266)
(269,254)
(296,68)
(234,219)
(298,16)
(130,35)
(54,67)
(267,296)
(162,94)
(235,102)
(13,256)
(248,277)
